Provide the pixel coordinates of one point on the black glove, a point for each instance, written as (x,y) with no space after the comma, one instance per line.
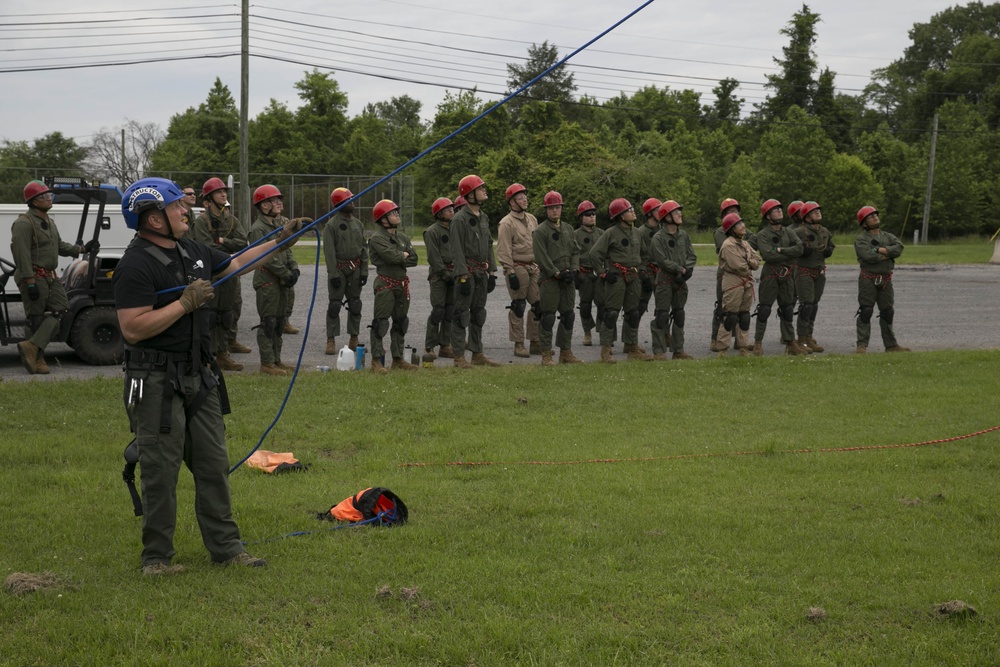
(449,281)
(513,282)
(806,251)
(364,279)
(291,278)
(610,278)
(827,251)
(92,246)
(491,283)
(647,284)
(688,273)
(33,292)
(566,276)
(464,287)
(335,283)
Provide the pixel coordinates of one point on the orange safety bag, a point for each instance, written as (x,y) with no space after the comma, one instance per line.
(274,461)
(375,505)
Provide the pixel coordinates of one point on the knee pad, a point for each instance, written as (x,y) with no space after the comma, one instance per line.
(479,317)
(729,321)
(744,320)
(763,312)
(600,312)
(354,306)
(865,314)
(517,306)
(449,312)
(547,321)
(401,325)
(679,317)
(786,313)
(270,326)
(437,315)
(567,318)
(805,312)
(585,307)
(887,314)
(333,310)
(610,318)
(662,319)
(634,317)
(379,327)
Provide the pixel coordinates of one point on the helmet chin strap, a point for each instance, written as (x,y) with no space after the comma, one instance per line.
(170,229)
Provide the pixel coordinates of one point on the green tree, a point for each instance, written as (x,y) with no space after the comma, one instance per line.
(52,155)
(404,129)
(727,107)
(848,184)
(557,86)
(792,157)
(899,168)
(203,140)
(795,85)
(743,183)
(320,124)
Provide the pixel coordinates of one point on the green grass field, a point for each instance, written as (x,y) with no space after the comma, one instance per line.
(694,519)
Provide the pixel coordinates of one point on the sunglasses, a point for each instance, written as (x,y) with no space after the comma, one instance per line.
(189,194)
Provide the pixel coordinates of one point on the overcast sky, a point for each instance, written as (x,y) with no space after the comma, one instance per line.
(439,43)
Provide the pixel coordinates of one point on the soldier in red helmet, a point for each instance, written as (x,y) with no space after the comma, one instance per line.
(737,262)
(588,286)
(810,277)
(441,276)
(392,253)
(346,256)
(517,258)
(877,252)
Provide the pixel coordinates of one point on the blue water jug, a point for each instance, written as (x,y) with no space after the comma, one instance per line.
(359,357)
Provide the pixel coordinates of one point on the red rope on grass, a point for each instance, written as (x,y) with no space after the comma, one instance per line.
(824,450)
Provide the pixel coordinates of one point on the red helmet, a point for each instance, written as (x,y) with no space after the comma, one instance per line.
(585,207)
(618,206)
(807,208)
(864,212)
(650,205)
(265,192)
(469,183)
(33,189)
(552,198)
(769,206)
(439,204)
(666,208)
(512,189)
(211,185)
(339,196)
(794,208)
(730,221)
(727,202)
(383,208)
(459,202)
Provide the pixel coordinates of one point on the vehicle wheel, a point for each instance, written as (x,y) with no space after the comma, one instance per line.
(96,337)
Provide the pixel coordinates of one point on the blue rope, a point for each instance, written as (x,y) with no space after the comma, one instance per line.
(395,171)
(386,518)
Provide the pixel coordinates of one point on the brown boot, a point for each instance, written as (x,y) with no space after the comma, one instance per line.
(461,361)
(814,346)
(660,356)
(717,347)
(894,348)
(636,353)
(803,344)
(606,354)
(445,352)
(861,349)
(43,368)
(745,351)
(281,364)
(682,356)
(377,367)
(521,351)
(400,364)
(547,358)
(271,369)
(289,329)
(534,347)
(353,344)
(226,363)
(793,349)
(236,347)
(331,346)
(29,355)
(588,340)
(758,348)
(566,356)
(480,359)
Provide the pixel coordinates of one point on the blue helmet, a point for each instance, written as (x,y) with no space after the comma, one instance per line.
(147,193)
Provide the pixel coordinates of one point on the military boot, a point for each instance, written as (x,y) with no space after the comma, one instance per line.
(660,356)
(814,346)
(43,368)
(29,355)
(626,348)
(445,352)
(480,359)
(289,329)
(226,363)
(803,343)
(353,344)
(377,367)
(636,353)
(792,348)
(400,364)
(547,358)
(566,356)
(758,348)
(236,347)
(682,355)
(534,347)
(331,346)
(861,349)
(461,361)
(894,348)
(521,351)
(271,369)
(717,347)
(606,356)
(588,340)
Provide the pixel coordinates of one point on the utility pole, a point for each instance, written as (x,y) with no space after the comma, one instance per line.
(244,197)
(930,181)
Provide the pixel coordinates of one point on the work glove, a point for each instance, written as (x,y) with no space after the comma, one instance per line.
(610,278)
(688,272)
(567,276)
(302,221)
(196,295)
(92,246)
(291,278)
(288,231)
(33,292)
(491,283)
(464,287)
(336,283)
(513,282)
(827,251)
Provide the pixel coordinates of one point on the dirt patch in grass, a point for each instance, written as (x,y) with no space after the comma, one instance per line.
(954,609)
(22,583)
(816,614)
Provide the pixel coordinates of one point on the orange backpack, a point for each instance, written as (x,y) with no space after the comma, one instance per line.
(373,505)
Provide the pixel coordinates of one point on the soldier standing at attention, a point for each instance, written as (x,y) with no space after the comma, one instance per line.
(36,246)
(217,228)
(346,258)
(514,252)
(778,247)
(475,272)
(877,252)
(810,279)
(391,253)
(616,257)
(737,260)
(441,276)
(587,283)
(558,256)
(674,256)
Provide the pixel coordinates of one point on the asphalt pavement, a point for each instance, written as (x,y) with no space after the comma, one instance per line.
(937,307)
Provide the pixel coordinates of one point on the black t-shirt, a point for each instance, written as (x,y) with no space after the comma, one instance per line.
(142,272)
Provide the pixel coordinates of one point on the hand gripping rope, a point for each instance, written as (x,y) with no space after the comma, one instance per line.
(371,187)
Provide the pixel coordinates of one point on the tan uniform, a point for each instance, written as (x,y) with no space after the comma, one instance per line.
(515,255)
(737,262)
